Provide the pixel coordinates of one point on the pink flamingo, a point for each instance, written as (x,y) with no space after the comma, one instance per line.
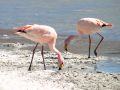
(88,26)
(41,34)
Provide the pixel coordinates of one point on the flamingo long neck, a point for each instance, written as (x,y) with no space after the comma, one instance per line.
(67,41)
(60,57)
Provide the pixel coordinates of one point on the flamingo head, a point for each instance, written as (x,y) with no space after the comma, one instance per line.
(22,30)
(102,23)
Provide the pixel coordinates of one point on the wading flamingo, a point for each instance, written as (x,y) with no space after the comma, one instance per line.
(88,26)
(41,34)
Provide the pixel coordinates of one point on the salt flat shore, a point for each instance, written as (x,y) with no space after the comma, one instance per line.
(79,73)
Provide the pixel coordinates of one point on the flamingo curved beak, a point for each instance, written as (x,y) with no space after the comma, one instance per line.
(109,25)
(104,25)
(19,30)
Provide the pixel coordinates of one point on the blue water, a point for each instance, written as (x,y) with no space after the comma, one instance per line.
(61,14)
(111,66)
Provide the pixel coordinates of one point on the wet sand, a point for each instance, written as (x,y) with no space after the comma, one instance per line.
(79,72)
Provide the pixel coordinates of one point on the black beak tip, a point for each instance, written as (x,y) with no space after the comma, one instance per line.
(60,68)
(22,31)
(66,49)
(19,30)
(104,25)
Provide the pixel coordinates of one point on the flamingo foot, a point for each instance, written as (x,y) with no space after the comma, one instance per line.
(29,69)
(89,57)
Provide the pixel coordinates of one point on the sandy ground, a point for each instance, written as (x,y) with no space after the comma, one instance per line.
(79,73)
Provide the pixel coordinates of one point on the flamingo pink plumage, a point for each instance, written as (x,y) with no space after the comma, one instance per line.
(88,26)
(41,34)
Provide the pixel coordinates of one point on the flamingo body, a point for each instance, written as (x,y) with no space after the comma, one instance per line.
(41,34)
(88,26)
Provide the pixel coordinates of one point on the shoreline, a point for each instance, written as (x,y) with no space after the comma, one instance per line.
(77,46)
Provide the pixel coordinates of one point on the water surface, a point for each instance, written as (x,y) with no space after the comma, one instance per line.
(61,14)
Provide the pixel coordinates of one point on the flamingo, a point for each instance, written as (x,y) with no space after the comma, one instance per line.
(88,26)
(42,34)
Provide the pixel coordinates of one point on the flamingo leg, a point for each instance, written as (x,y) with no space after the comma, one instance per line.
(29,69)
(43,57)
(95,51)
(89,46)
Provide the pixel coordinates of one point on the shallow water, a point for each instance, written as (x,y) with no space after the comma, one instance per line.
(110,66)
